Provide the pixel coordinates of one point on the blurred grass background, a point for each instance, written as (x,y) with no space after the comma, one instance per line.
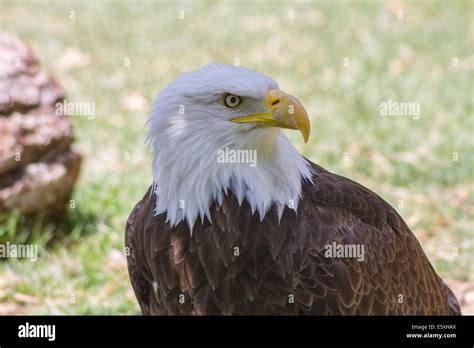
(120,54)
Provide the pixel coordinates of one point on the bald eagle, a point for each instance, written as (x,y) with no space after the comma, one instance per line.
(236,221)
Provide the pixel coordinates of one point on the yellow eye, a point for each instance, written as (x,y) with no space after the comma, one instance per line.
(232,101)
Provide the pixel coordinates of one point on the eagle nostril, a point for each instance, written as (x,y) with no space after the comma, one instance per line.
(276,102)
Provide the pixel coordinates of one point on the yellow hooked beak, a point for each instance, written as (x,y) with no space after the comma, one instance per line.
(284,111)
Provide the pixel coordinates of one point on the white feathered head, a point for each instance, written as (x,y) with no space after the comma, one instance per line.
(203,129)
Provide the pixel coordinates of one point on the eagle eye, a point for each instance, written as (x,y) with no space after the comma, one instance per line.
(232,101)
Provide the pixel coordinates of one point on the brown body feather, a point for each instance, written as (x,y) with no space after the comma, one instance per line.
(239,265)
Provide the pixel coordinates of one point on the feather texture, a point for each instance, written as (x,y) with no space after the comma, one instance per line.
(241,265)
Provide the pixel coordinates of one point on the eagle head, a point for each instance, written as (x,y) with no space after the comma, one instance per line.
(204,115)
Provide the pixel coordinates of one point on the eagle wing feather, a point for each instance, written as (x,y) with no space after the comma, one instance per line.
(241,265)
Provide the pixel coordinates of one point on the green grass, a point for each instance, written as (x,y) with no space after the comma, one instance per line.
(407,59)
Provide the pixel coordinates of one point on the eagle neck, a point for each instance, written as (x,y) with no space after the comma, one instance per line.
(187,183)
